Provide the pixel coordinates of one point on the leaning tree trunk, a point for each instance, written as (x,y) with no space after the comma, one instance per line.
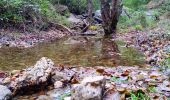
(110,12)
(90,11)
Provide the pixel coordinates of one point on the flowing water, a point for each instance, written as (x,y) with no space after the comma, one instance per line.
(74,51)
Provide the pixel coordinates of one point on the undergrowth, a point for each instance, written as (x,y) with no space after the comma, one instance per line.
(35,13)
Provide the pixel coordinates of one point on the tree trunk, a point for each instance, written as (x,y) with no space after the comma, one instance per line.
(90,11)
(110,12)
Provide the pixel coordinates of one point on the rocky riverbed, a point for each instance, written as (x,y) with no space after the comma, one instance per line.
(26,40)
(49,82)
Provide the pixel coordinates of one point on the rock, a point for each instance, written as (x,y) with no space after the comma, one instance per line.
(89,33)
(91,88)
(43,97)
(67,98)
(73,19)
(59,76)
(98,13)
(164,88)
(56,94)
(113,96)
(58,84)
(15,72)
(5,93)
(3,74)
(167,72)
(6,80)
(12,44)
(33,76)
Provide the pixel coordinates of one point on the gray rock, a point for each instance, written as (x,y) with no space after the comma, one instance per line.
(167,72)
(5,93)
(64,75)
(98,13)
(35,75)
(91,88)
(113,96)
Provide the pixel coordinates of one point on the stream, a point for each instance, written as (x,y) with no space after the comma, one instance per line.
(73,51)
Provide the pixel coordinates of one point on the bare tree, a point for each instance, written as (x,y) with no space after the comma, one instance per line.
(110,14)
(90,11)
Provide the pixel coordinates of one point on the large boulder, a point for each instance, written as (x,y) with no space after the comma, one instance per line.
(91,88)
(5,93)
(30,77)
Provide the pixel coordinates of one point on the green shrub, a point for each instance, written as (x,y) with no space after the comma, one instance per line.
(138,27)
(138,21)
(77,6)
(135,4)
(28,11)
(139,95)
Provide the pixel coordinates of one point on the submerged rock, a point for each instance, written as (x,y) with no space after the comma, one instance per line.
(5,93)
(33,76)
(91,88)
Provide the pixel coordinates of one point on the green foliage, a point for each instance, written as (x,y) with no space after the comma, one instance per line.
(78,6)
(138,21)
(165,7)
(118,80)
(22,11)
(166,64)
(141,19)
(65,95)
(138,27)
(10,10)
(135,4)
(139,96)
(152,89)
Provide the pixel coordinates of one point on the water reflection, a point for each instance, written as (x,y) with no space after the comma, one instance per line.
(82,51)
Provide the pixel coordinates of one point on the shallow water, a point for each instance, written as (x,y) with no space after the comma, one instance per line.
(78,51)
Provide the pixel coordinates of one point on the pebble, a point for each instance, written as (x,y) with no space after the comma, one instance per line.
(58,84)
